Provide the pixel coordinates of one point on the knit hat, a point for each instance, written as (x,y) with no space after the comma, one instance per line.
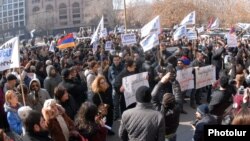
(184,60)
(11,77)
(203,109)
(143,94)
(65,73)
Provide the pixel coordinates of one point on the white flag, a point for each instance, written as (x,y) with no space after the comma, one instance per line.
(192,35)
(9,54)
(151,27)
(98,29)
(201,29)
(149,42)
(180,32)
(215,24)
(32,33)
(244,26)
(52,46)
(189,19)
(103,32)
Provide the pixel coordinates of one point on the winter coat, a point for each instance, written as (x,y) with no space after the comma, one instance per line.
(98,134)
(51,82)
(90,77)
(14,120)
(41,136)
(142,123)
(113,73)
(70,107)
(38,100)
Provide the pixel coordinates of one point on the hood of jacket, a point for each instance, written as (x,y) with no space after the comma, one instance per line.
(8,108)
(35,80)
(48,69)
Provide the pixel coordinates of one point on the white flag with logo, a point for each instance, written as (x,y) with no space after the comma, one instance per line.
(52,46)
(9,54)
(98,29)
(189,19)
(108,45)
(149,42)
(32,33)
(180,32)
(244,26)
(103,33)
(215,24)
(151,27)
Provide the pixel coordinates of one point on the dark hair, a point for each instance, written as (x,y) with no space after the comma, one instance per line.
(59,92)
(224,81)
(32,119)
(85,118)
(92,64)
(1,134)
(25,89)
(129,62)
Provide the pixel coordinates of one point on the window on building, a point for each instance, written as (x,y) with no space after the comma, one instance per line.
(5,20)
(49,0)
(1,27)
(15,18)
(10,25)
(21,23)
(15,12)
(77,22)
(4,14)
(62,11)
(5,7)
(35,9)
(5,26)
(16,25)
(76,12)
(10,13)
(63,23)
(1,15)
(10,19)
(15,0)
(21,4)
(49,8)
(21,11)
(35,1)
(10,6)
(21,17)
(10,1)
(16,5)
(76,16)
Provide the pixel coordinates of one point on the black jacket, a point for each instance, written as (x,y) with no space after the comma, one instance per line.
(43,136)
(70,107)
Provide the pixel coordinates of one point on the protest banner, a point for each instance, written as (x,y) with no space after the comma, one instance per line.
(192,35)
(149,42)
(215,25)
(232,40)
(180,32)
(9,54)
(204,76)
(201,29)
(189,19)
(108,45)
(152,27)
(128,39)
(131,84)
(186,79)
(99,28)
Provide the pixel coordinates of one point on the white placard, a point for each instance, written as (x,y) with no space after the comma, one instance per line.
(108,45)
(9,54)
(128,39)
(232,40)
(131,84)
(204,76)
(192,35)
(186,78)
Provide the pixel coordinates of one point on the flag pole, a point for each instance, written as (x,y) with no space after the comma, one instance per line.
(21,80)
(125,16)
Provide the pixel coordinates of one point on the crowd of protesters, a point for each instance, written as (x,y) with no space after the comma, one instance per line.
(77,93)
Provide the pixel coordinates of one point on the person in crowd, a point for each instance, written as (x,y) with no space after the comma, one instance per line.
(37,95)
(102,96)
(11,106)
(52,80)
(90,77)
(217,59)
(169,84)
(203,117)
(11,83)
(142,122)
(35,127)
(5,137)
(195,96)
(113,72)
(130,69)
(66,100)
(28,101)
(76,90)
(221,99)
(40,72)
(89,123)
(61,127)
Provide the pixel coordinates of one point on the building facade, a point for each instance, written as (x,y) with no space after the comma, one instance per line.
(60,15)
(12,18)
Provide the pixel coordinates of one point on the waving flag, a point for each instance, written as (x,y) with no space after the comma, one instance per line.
(151,27)
(149,42)
(180,32)
(215,24)
(244,26)
(66,42)
(99,28)
(189,19)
